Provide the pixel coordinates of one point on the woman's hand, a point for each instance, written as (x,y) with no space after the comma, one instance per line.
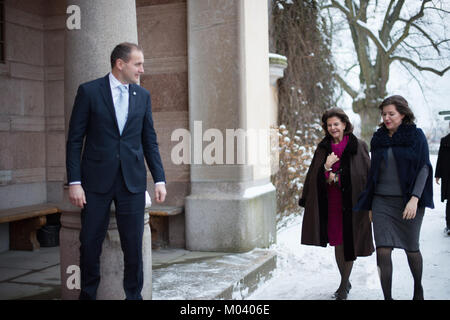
(331,159)
(331,177)
(411,208)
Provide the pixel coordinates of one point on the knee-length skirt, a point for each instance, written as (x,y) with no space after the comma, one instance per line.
(389,227)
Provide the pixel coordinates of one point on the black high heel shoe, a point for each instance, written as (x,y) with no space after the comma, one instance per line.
(342,294)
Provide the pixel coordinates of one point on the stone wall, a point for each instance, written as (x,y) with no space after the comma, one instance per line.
(32,161)
(32,98)
(162,32)
(163,35)
(31,105)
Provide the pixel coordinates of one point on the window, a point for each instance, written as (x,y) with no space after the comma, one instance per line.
(2,31)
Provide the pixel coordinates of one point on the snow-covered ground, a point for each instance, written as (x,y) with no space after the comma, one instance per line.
(307,272)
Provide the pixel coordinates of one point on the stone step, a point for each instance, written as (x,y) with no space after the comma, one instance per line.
(207,275)
(177,274)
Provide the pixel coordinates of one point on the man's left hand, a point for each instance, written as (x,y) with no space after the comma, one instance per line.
(160,193)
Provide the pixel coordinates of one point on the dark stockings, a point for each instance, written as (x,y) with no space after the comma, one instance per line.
(416,264)
(345,268)
(447,214)
(384,262)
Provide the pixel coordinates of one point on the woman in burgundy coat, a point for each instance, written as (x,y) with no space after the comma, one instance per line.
(336,177)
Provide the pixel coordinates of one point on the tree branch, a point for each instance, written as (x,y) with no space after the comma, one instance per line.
(344,85)
(362,11)
(350,69)
(390,19)
(404,43)
(426,35)
(343,9)
(361,24)
(380,45)
(438,9)
(387,16)
(407,27)
(420,68)
(415,78)
(360,42)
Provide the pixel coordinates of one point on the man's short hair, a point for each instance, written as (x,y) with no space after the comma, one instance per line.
(122,51)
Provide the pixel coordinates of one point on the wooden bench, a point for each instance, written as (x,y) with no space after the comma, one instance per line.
(159,223)
(24,222)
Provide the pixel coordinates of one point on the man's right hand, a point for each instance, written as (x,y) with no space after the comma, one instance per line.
(76,195)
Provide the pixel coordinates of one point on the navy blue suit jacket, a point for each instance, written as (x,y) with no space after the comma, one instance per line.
(93,121)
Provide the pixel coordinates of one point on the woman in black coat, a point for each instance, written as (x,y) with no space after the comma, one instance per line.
(399,187)
(443,172)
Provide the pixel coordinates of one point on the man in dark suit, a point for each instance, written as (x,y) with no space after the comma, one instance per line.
(112,116)
(443,171)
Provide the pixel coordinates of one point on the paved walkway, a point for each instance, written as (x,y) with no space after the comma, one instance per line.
(177,274)
(30,273)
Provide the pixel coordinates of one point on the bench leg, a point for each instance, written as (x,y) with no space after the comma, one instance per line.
(22,234)
(160,231)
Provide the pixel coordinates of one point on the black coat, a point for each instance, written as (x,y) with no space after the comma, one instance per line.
(443,167)
(410,148)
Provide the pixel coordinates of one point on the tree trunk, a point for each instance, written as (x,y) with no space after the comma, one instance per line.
(370,118)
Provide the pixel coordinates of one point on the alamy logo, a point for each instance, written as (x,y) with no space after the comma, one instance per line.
(212,146)
(73,22)
(73,280)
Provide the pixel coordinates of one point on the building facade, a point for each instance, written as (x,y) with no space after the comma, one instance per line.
(207,69)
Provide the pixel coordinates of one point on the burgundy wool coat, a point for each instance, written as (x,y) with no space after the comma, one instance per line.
(357,233)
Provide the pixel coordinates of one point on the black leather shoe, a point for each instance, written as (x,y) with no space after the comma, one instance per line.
(447,231)
(341,294)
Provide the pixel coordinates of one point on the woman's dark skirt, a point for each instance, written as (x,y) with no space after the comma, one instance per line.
(389,227)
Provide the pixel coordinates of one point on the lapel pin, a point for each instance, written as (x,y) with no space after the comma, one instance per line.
(134,93)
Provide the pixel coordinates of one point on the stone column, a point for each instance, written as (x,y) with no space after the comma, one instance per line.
(232,205)
(278,64)
(104,24)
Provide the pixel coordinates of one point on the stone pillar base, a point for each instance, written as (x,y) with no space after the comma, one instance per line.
(231,223)
(111,260)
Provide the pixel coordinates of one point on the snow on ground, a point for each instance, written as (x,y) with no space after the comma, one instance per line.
(310,273)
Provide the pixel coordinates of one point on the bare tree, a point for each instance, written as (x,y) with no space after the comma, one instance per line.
(406,35)
(305,92)
(306,89)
